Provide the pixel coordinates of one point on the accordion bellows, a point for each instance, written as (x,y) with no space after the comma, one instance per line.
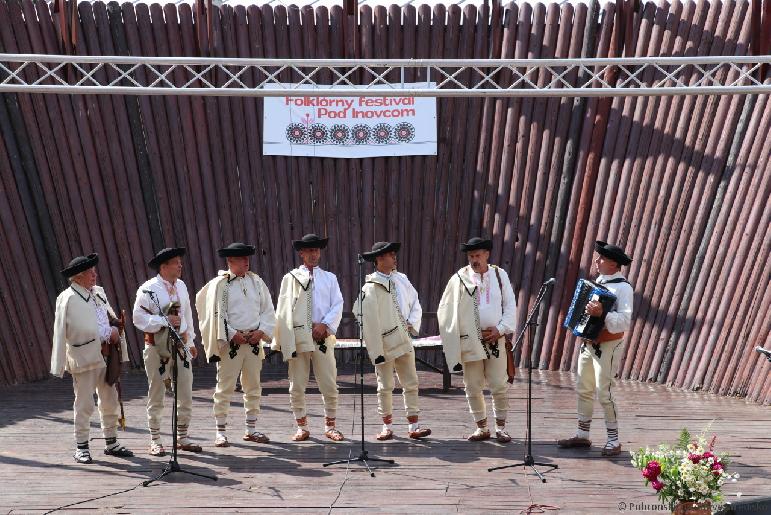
(577,320)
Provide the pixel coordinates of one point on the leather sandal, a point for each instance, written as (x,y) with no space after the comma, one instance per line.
(334,434)
(221,441)
(501,436)
(574,442)
(119,451)
(301,435)
(189,447)
(419,433)
(611,451)
(479,435)
(256,437)
(82,456)
(156,449)
(386,434)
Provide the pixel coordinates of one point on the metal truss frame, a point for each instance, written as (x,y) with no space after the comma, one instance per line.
(117,75)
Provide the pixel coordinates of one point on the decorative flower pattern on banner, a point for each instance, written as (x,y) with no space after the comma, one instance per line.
(404,132)
(361,134)
(318,134)
(382,134)
(340,134)
(295,133)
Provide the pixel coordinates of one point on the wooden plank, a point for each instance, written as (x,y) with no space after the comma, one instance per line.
(557,122)
(461,130)
(202,178)
(515,37)
(531,203)
(656,164)
(252,177)
(488,114)
(474,123)
(230,125)
(274,34)
(564,276)
(148,121)
(149,220)
(29,142)
(427,222)
(550,314)
(137,229)
(448,109)
(20,366)
(176,113)
(130,265)
(189,178)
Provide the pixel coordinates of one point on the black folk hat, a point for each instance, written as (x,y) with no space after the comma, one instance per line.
(476,243)
(613,252)
(380,248)
(236,250)
(80,264)
(310,241)
(164,255)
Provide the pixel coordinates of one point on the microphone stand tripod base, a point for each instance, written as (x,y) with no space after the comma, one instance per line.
(173,465)
(363,456)
(530,326)
(529,462)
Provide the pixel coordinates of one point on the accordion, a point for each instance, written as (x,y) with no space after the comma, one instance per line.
(578,320)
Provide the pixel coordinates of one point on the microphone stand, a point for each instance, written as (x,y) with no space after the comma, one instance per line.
(530,326)
(173,465)
(364,454)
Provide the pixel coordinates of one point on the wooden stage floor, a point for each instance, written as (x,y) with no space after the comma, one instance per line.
(443,474)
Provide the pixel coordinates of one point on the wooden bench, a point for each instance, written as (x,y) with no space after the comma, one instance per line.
(430,342)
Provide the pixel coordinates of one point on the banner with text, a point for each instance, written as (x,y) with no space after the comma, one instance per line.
(350,127)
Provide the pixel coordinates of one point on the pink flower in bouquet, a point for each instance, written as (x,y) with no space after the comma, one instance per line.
(717,469)
(707,455)
(695,458)
(652,470)
(657,485)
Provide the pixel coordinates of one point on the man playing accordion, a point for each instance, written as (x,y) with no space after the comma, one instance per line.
(599,357)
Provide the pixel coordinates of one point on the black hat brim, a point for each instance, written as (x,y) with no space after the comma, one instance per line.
(236,250)
(165,255)
(320,243)
(612,252)
(478,245)
(393,246)
(80,264)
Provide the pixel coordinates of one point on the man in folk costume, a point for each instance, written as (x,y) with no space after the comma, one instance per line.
(309,310)
(476,311)
(170,292)
(235,316)
(598,359)
(409,303)
(84,325)
(387,336)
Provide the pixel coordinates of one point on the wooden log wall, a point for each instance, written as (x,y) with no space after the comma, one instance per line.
(682,182)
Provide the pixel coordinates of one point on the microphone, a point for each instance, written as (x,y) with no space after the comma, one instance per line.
(549,282)
(766,353)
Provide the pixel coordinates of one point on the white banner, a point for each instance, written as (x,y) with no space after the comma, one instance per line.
(350,127)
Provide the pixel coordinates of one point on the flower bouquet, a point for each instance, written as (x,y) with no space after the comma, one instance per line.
(688,476)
